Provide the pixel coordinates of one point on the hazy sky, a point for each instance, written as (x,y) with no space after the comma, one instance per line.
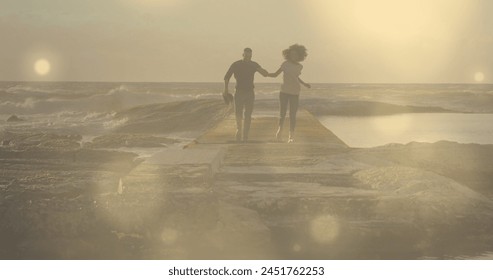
(425,41)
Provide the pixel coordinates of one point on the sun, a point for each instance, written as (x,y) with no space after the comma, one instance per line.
(42,66)
(479,77)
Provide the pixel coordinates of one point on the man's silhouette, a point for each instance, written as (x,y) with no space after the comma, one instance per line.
(244,72)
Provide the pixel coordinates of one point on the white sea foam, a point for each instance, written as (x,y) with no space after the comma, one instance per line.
(18,89)
(112,124)
(28,103)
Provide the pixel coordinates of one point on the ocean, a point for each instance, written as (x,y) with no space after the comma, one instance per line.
(452,112)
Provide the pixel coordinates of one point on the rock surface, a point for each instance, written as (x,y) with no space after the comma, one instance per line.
(14,118)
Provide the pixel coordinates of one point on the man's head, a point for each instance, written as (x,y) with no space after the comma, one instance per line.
(247,54)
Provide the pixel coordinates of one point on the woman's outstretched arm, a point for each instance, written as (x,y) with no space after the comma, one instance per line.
(303,83)
(273,75)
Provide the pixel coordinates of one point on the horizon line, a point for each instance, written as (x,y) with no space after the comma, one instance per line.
(232,82)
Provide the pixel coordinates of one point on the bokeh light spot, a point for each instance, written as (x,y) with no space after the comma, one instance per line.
(479,77)
(42,67)
(325,229)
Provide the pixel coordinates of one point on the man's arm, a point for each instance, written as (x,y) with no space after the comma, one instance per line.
(303,83)
(227,77)
(262,71)
(226,85)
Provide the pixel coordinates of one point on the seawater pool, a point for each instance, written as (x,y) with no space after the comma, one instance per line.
(371,131)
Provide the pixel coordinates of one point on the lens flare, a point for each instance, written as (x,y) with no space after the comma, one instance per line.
(42,67)
(325,229)
(169,236)
(479,77)
(296,248)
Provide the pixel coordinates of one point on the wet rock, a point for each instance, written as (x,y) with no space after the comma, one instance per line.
(130,141)
(15,118)
(183,116)
(47,140)
(468,164)
(443,209)
(6,142)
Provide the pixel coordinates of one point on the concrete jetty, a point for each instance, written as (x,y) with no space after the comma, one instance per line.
(264,127)
(315,198)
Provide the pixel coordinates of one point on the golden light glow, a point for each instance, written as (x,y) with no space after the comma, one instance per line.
(408,39)
(42,67)
(325,229)
(393,19)
(390,19)
(479,77)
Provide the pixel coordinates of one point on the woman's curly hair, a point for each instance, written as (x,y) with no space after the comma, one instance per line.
(300,49)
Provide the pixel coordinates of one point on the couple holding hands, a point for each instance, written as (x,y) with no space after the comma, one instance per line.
(244,71)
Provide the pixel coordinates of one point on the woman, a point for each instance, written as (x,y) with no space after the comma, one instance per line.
(290,88)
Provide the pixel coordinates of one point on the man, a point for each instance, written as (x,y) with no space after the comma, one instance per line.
(244,71)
